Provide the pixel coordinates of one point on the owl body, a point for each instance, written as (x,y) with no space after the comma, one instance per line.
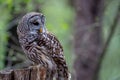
(40,46)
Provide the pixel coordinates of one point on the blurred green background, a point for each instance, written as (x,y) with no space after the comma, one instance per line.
(60,16)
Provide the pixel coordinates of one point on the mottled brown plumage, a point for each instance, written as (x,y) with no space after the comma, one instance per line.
(40,46)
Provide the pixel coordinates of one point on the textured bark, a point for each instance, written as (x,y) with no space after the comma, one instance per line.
(87,38)
(33,73)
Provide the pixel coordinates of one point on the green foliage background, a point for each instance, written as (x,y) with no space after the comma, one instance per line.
(5,16)
(111,63)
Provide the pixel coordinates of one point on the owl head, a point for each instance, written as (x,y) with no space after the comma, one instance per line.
(31,23)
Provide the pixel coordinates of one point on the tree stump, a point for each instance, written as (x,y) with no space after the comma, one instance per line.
(33,73)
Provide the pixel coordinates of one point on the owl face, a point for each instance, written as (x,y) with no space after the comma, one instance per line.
(32,23)
(36,24)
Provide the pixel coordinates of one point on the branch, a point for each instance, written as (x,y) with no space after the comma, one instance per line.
(106,45)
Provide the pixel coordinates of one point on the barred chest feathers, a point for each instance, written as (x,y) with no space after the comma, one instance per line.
(39,49)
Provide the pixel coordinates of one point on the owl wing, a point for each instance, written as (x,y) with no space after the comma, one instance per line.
(56,52)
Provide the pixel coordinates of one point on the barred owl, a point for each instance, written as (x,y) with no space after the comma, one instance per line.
(40,46)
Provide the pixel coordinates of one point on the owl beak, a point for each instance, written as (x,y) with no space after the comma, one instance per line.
(41,30)
(41,27)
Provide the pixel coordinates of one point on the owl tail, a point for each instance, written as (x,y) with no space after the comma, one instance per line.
(64,78)
(63,73)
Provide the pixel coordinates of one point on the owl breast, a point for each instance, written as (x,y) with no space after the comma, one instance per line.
(39,51)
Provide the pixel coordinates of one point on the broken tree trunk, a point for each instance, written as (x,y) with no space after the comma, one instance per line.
(33,73)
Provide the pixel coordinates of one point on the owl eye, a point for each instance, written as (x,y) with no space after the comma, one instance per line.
(35,23)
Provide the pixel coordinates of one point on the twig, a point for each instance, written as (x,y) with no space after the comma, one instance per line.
(106,45)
